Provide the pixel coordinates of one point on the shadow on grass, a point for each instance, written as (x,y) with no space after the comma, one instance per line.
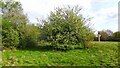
(45,49)
(38,48)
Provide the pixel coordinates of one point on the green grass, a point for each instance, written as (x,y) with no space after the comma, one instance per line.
(0,59)
(102,53)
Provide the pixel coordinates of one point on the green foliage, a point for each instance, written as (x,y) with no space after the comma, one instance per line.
(15,28)
(117,36)
(66,27)
(13,12)
(6,24)
(10,38)
(28,36)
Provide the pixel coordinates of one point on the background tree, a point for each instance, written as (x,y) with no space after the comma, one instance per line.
(106,35)
(10,35)
(13,12)
(16,30)
(117,36)
(110,35)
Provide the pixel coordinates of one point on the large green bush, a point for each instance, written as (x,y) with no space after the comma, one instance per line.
(66,29)
(10,38)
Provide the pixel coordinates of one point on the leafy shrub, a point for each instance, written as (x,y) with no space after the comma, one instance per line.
(66,29)
(10,38)
(28,36)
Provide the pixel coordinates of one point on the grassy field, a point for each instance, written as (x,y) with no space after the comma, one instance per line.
(102,53)
(0,59)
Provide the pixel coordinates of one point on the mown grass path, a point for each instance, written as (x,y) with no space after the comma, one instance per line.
(102,53)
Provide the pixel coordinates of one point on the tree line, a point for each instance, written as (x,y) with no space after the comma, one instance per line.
(65,28)
(108,35)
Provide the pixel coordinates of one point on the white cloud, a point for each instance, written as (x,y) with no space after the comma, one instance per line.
(44,6)
(106,18)
(105,14)
(41,8)
(103,11)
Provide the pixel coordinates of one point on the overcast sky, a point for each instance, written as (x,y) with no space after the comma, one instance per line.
(104,12)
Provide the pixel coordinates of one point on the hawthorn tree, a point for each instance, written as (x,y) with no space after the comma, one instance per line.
(66,28)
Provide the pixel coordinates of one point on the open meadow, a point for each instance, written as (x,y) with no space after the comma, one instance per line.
(101,54)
